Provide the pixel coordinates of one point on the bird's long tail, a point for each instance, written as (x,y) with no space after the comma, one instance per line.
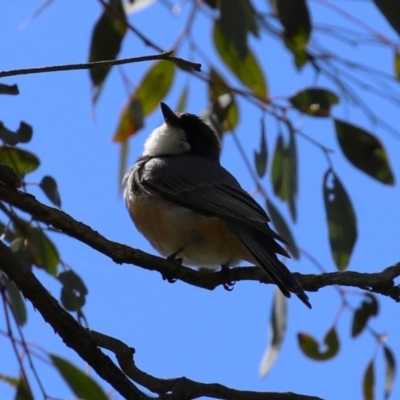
(263,250)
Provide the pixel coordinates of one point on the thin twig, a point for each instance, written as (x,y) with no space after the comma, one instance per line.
(98,64)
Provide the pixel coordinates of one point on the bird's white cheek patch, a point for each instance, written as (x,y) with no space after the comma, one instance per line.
(166,139)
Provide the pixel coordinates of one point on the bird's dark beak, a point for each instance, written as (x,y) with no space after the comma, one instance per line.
(169,116)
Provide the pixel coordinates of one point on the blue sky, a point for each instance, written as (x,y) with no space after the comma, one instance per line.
(176,329)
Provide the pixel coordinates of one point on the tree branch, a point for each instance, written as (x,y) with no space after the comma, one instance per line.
(174,388)
(73,334)
(185,64)
(378,282)
(86,343)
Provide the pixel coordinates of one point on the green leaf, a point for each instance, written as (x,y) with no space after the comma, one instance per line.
(397,64)
(6,233)
(8,89)
(391,11)
(24,392)
(42,251)
(227,112)
(260,157)
(17,303)
(342,223)
(24,132)
(82,385)
(73,292)
(237,18)
(283,229)
(278,161)
(296,22)
(22,135)
(369,382)
(153,88)
(291,177)
(284,171)
(314,101)
(21,161)
(247,70)
(7,136)
(106,40)
(311,348)
(182,102)
(50,189)
(390,371)
(277,332)
(369,308)
(364,151)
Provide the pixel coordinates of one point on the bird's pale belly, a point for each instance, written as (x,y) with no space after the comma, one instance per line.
(205,241)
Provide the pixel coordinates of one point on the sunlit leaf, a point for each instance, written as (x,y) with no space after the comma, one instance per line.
(368,308)
(8,89)
(277,332)
(182,102)
(391,11)
(21,161)
(390,370)
(312,349)
(296,22)
(283,229)
(152,89)
(364,151)
(82,385)
(228,115)
(73,292)
(314,101)
(342,223)
(106,40)
(397,64)
(42,250)
(50,189)
(247,70)
(17,303)
(260,157)
(369,382)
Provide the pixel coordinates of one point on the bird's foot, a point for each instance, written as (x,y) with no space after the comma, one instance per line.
(227,273)
(178,261)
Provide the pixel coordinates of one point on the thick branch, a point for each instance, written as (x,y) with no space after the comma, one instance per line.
(379,282)
(100,64)
(73,334)
(86,343)
(174,388)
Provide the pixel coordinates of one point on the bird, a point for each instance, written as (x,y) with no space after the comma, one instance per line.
(189,207)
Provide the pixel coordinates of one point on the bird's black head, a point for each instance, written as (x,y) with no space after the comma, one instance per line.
(202,140)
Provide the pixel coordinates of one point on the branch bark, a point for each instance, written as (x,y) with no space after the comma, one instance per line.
(378,282)
(86,343)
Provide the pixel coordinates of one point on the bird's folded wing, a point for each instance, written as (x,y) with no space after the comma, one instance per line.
(206,187)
